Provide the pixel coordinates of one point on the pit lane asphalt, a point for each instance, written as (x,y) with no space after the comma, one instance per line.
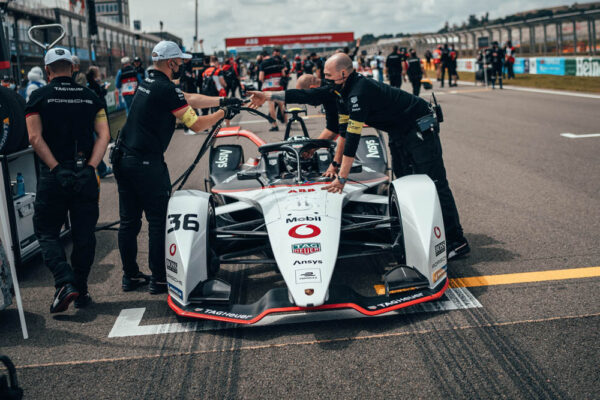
(529,200)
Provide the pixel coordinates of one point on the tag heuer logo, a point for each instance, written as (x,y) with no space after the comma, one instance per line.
(306,248)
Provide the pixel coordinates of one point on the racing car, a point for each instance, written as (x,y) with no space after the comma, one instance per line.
(270,212)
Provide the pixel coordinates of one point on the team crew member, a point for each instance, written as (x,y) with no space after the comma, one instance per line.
(362,100)
(308,65)
(140,169)
(445,61)
(61,120)
(497,61)
(139,68)
(297,68)
(509,58)
(415,72)
(270,74)
(437,61)
(393,66)
(127,81)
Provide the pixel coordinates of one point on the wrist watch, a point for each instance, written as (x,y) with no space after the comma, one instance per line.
(335,164)
(342,180)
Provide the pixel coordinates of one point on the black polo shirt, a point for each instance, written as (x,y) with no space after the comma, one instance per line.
(68,112)
(394,64)
(151,123)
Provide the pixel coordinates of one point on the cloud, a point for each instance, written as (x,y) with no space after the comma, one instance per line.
(219,19)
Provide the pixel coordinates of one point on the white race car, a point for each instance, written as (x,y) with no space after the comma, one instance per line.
(273,214)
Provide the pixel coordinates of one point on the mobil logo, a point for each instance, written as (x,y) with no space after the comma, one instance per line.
(304,231)
(307,218)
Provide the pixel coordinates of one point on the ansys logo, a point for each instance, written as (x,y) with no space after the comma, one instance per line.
(306,248)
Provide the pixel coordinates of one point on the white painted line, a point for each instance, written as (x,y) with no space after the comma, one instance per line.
(574,136)
(128,321)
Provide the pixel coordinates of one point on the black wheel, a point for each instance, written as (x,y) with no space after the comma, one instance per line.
(212,258)
(397,235)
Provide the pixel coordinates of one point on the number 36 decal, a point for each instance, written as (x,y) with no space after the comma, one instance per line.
(190,222)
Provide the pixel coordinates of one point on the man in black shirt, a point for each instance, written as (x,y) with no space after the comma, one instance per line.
(13,135)
(61,120)
(271,71)
(445,61)
(415,71)
(363,101)
(497,62)
(308,65)
(393,65)
(139,166)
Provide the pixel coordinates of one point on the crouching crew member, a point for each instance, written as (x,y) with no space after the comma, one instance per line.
(61,120)
(364,101)
(139,166)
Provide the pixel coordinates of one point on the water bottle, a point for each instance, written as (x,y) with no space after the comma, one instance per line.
(20,185)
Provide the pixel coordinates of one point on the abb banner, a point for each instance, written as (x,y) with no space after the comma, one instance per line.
(291,41)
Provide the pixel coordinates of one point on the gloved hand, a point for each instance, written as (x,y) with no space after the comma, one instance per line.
(230,101)
(64,176)
(83,176)
(230,111)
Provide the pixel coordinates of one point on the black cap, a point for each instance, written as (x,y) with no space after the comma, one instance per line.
(136,58)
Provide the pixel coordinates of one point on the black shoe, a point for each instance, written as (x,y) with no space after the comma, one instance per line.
(130,283)
(83,300)
(458,248)
(157,287)
(63,297)
(274,129)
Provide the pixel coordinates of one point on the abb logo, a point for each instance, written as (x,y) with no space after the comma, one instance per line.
(301,191)
(251,41)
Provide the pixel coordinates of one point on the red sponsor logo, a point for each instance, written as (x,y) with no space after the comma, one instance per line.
(301,191)
(304,231)
(437,232)
(172,249)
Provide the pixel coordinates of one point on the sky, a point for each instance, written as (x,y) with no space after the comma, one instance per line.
(218,19)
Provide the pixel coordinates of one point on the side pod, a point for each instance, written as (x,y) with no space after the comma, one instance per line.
(422,226)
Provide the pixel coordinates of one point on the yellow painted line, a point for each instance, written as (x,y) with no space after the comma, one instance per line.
(523,277)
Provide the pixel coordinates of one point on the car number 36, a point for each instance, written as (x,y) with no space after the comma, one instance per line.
(190,222)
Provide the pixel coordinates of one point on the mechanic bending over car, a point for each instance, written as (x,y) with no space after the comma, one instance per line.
(61,120)
(139,166)
(362,100)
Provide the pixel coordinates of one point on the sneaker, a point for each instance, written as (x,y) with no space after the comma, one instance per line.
(274,129)
(63,297)
(106,173)
(83,300)
(458,248)
(130,283)
(157,287)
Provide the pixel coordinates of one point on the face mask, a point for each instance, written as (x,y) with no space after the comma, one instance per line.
(177,74)
(330,83)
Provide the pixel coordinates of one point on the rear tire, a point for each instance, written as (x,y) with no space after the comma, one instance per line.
(397,234)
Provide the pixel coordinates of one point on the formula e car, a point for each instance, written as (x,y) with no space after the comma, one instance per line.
(270,215)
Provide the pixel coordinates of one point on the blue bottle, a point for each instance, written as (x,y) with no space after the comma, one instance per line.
(20,185)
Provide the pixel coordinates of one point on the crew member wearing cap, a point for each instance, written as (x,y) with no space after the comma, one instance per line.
(127,81)
(61,120)
(139,166)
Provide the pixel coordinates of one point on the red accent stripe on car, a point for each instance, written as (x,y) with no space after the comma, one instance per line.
(184,313)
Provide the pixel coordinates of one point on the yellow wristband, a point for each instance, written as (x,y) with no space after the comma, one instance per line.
(189,117)
(101,116)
